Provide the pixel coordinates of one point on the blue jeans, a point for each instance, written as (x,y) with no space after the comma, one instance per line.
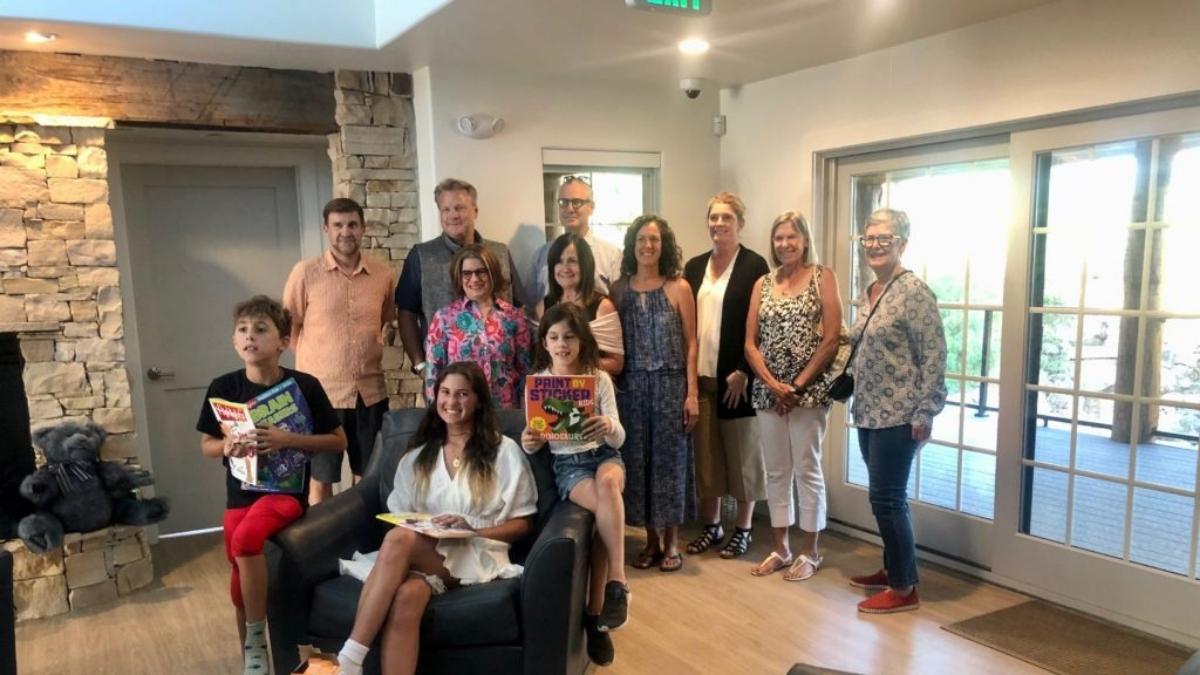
(888,454)
(572,469)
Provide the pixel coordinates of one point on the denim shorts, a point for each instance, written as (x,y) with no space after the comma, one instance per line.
(572,468)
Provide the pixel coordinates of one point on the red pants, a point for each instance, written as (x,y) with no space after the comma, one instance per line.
(248,528)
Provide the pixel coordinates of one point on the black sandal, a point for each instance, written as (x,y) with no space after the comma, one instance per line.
(712,535)
(737,545)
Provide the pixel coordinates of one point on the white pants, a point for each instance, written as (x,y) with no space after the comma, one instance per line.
(792,452)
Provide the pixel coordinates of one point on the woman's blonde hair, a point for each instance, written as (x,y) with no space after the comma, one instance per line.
(796,220)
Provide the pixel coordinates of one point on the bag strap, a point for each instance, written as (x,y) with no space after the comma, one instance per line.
(861,333)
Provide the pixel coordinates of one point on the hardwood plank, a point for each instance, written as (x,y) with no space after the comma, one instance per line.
(167,92)
(710,617)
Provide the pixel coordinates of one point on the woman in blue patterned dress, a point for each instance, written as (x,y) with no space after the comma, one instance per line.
(658,397)
(899,387)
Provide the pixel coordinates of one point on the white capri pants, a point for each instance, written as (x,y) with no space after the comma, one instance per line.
(792,452)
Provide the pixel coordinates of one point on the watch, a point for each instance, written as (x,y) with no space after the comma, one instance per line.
(419,368)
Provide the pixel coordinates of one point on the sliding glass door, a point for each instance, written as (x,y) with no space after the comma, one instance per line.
(958,201)
(1098,498)
(1064,261)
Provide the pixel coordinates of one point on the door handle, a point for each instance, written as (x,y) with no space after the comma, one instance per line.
(157,373)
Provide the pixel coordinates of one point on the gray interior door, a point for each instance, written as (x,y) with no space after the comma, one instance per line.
(201,239)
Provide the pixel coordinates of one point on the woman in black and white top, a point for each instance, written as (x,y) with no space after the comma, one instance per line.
(899,386)
(793,331)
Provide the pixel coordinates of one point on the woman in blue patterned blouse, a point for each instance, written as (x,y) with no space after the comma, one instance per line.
(899,387)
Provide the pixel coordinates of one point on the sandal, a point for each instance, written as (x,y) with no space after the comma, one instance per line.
(737,544)
(671,563)
(712,535)
(803,568)
(647,559)
(770,565)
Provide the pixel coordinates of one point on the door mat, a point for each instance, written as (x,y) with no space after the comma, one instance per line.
(1070,643)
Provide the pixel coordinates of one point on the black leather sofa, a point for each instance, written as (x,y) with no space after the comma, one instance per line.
(532,624)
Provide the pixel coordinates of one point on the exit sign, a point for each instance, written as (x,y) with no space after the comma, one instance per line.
(690,7)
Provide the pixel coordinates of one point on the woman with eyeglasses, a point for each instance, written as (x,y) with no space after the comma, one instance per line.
(729,459)
(899,387)
(657,399)
(480,326)
(793,331)
(572,272)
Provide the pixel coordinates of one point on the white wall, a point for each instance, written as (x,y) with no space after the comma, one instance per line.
(1065,56)
(565,113)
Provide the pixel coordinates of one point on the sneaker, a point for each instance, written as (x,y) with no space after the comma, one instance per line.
(890,601)
(616,607)
(876,582)
(599,644)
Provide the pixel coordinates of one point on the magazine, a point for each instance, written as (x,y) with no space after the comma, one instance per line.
(556,406)
(236,418)
(423,524)
(281,406)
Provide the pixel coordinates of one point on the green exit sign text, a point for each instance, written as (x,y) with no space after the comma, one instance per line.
(692,7)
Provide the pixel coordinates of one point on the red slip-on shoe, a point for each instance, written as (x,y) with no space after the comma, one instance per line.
(876,581)
(890,601)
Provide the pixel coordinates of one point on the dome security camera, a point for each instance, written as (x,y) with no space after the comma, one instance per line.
(691,86)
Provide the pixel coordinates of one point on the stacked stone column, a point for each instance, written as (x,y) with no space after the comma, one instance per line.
(374,163)
(59,291)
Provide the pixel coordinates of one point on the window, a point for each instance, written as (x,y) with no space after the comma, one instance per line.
(1112,392)
(960,223)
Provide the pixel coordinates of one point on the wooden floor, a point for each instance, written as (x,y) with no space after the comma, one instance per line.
(710,617)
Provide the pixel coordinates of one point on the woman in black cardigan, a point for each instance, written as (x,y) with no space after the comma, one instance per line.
(729,459)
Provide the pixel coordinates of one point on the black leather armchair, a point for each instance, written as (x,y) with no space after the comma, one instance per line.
(527,625)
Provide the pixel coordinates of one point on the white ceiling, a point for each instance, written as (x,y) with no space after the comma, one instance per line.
(751,39)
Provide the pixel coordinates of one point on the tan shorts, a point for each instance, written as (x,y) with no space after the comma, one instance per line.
(729,459)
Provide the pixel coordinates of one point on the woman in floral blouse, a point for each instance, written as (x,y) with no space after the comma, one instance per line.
(899,387)
(480,326)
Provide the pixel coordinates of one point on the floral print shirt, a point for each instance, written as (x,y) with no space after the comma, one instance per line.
(499,343)
(900,366)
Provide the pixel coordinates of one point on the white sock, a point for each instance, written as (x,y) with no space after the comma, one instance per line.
(350,659)
(255,653)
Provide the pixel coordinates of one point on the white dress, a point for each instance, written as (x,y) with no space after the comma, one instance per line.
(476,560)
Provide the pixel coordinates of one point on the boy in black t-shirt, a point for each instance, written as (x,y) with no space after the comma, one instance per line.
(260,334)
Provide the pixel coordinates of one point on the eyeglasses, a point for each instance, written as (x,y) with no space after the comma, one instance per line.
(576,204)
(882,240)
(571,178)
(481,273)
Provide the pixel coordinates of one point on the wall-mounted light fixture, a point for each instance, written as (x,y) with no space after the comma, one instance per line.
(38,37)
(479,125)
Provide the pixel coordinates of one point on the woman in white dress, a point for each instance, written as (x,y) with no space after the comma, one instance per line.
(459,467)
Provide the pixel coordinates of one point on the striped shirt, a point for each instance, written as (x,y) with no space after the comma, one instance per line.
(337,325)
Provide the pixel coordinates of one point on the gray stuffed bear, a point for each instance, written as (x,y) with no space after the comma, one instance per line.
(76,492)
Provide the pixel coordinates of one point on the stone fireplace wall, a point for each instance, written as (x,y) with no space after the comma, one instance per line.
(374,163)
(61,296)
(61,288)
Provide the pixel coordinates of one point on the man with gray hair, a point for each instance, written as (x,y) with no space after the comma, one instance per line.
(425,285)
(575,206)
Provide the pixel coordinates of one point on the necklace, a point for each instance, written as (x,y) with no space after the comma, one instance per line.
(456,462)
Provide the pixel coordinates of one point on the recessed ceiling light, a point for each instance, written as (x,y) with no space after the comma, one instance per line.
(37,37)
(693,46)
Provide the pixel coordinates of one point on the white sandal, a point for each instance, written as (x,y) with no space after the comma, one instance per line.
(779,563)
(799,563)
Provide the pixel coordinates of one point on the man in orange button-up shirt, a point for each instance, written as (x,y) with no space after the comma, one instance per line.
(340,302)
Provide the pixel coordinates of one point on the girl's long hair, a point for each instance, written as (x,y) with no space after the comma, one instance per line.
(576,320)
(479,455)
